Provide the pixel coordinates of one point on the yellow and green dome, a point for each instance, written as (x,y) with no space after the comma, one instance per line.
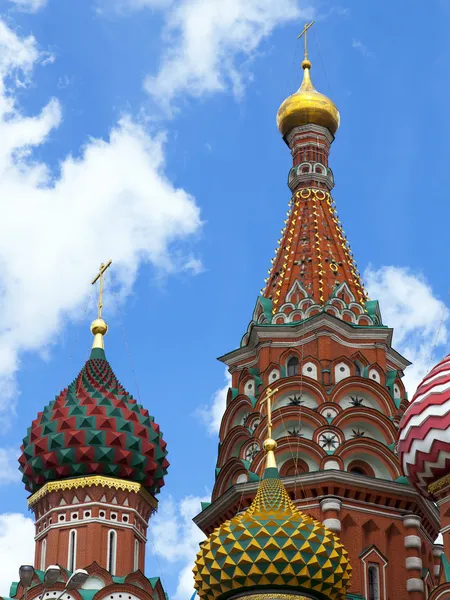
(272,546)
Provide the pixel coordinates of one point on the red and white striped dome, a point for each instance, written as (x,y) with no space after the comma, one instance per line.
(424,440)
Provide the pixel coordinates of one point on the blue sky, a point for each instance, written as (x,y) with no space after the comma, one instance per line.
(144,131)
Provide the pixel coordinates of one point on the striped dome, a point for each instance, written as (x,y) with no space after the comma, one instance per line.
(424,439)
(94,427)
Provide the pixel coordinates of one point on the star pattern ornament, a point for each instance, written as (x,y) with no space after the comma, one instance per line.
(296,432)
(358,433)
(251,451)
(356,401)
(296,400)
(329,440)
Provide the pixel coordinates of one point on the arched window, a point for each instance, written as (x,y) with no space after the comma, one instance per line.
(112,550)
(374,582)
(43,553)
(292,366)
(136,555)
(72,552)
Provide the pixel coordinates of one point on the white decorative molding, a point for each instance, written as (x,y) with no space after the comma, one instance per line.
(413,562)
(333,525)
(411,521)
(413,541)
(331,465)
(437,570)
(414,585)
(438,549)
(330,504)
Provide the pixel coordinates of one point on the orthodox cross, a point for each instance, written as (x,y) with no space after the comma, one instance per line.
(305,33)
(103,268)
(270,392)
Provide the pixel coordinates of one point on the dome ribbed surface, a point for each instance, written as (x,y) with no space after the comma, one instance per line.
(424,440)
(273,546)
(94,427)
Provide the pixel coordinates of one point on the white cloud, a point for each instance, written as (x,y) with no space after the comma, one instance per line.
(212,414)
(362,48)
(176,538)
(16,548)
(114,200)
(209,42)
(29,5)
(418,317)
(9,470)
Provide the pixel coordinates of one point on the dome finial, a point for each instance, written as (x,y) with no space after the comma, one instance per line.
(305,34)
(269,443)
(307,106)
(99,327)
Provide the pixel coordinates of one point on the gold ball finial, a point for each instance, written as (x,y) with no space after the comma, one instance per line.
(306,64)
(270,445)
(99,326)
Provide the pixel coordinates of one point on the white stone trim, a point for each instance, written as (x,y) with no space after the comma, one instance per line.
(331,504)
(438,550)
(413,541)
(437,570)
(333,525)
(413,562)
(59,509)
(76,524)
(411,521)
(414,585)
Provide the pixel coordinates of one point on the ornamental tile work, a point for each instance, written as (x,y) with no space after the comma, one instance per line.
(313,250)
(94,427)
(274,545)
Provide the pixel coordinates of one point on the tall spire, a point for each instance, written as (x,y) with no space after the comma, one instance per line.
(99,328)
(313,261)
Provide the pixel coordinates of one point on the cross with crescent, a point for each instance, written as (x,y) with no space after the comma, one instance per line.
(99,275)
(305,34)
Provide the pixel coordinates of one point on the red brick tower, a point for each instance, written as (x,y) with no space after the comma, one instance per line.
(320,343)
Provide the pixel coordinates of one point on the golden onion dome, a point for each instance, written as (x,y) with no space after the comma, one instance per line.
(272,546)
(307,105)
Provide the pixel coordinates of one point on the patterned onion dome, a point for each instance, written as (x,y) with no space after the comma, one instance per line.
(272,546)
(424,439)
(94,427)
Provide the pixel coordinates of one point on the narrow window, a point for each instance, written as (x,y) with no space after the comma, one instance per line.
(112,547)
(72,554)
(43,553)
(358,370)
(374,582)
(136,555)
(292,366)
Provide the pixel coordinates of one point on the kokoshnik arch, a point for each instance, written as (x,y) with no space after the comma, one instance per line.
(309,501)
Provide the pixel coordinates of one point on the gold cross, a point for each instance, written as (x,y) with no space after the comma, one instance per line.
(269,393)
(304,32)
(103,268)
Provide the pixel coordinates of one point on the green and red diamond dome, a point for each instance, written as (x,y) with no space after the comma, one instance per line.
(94,427)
